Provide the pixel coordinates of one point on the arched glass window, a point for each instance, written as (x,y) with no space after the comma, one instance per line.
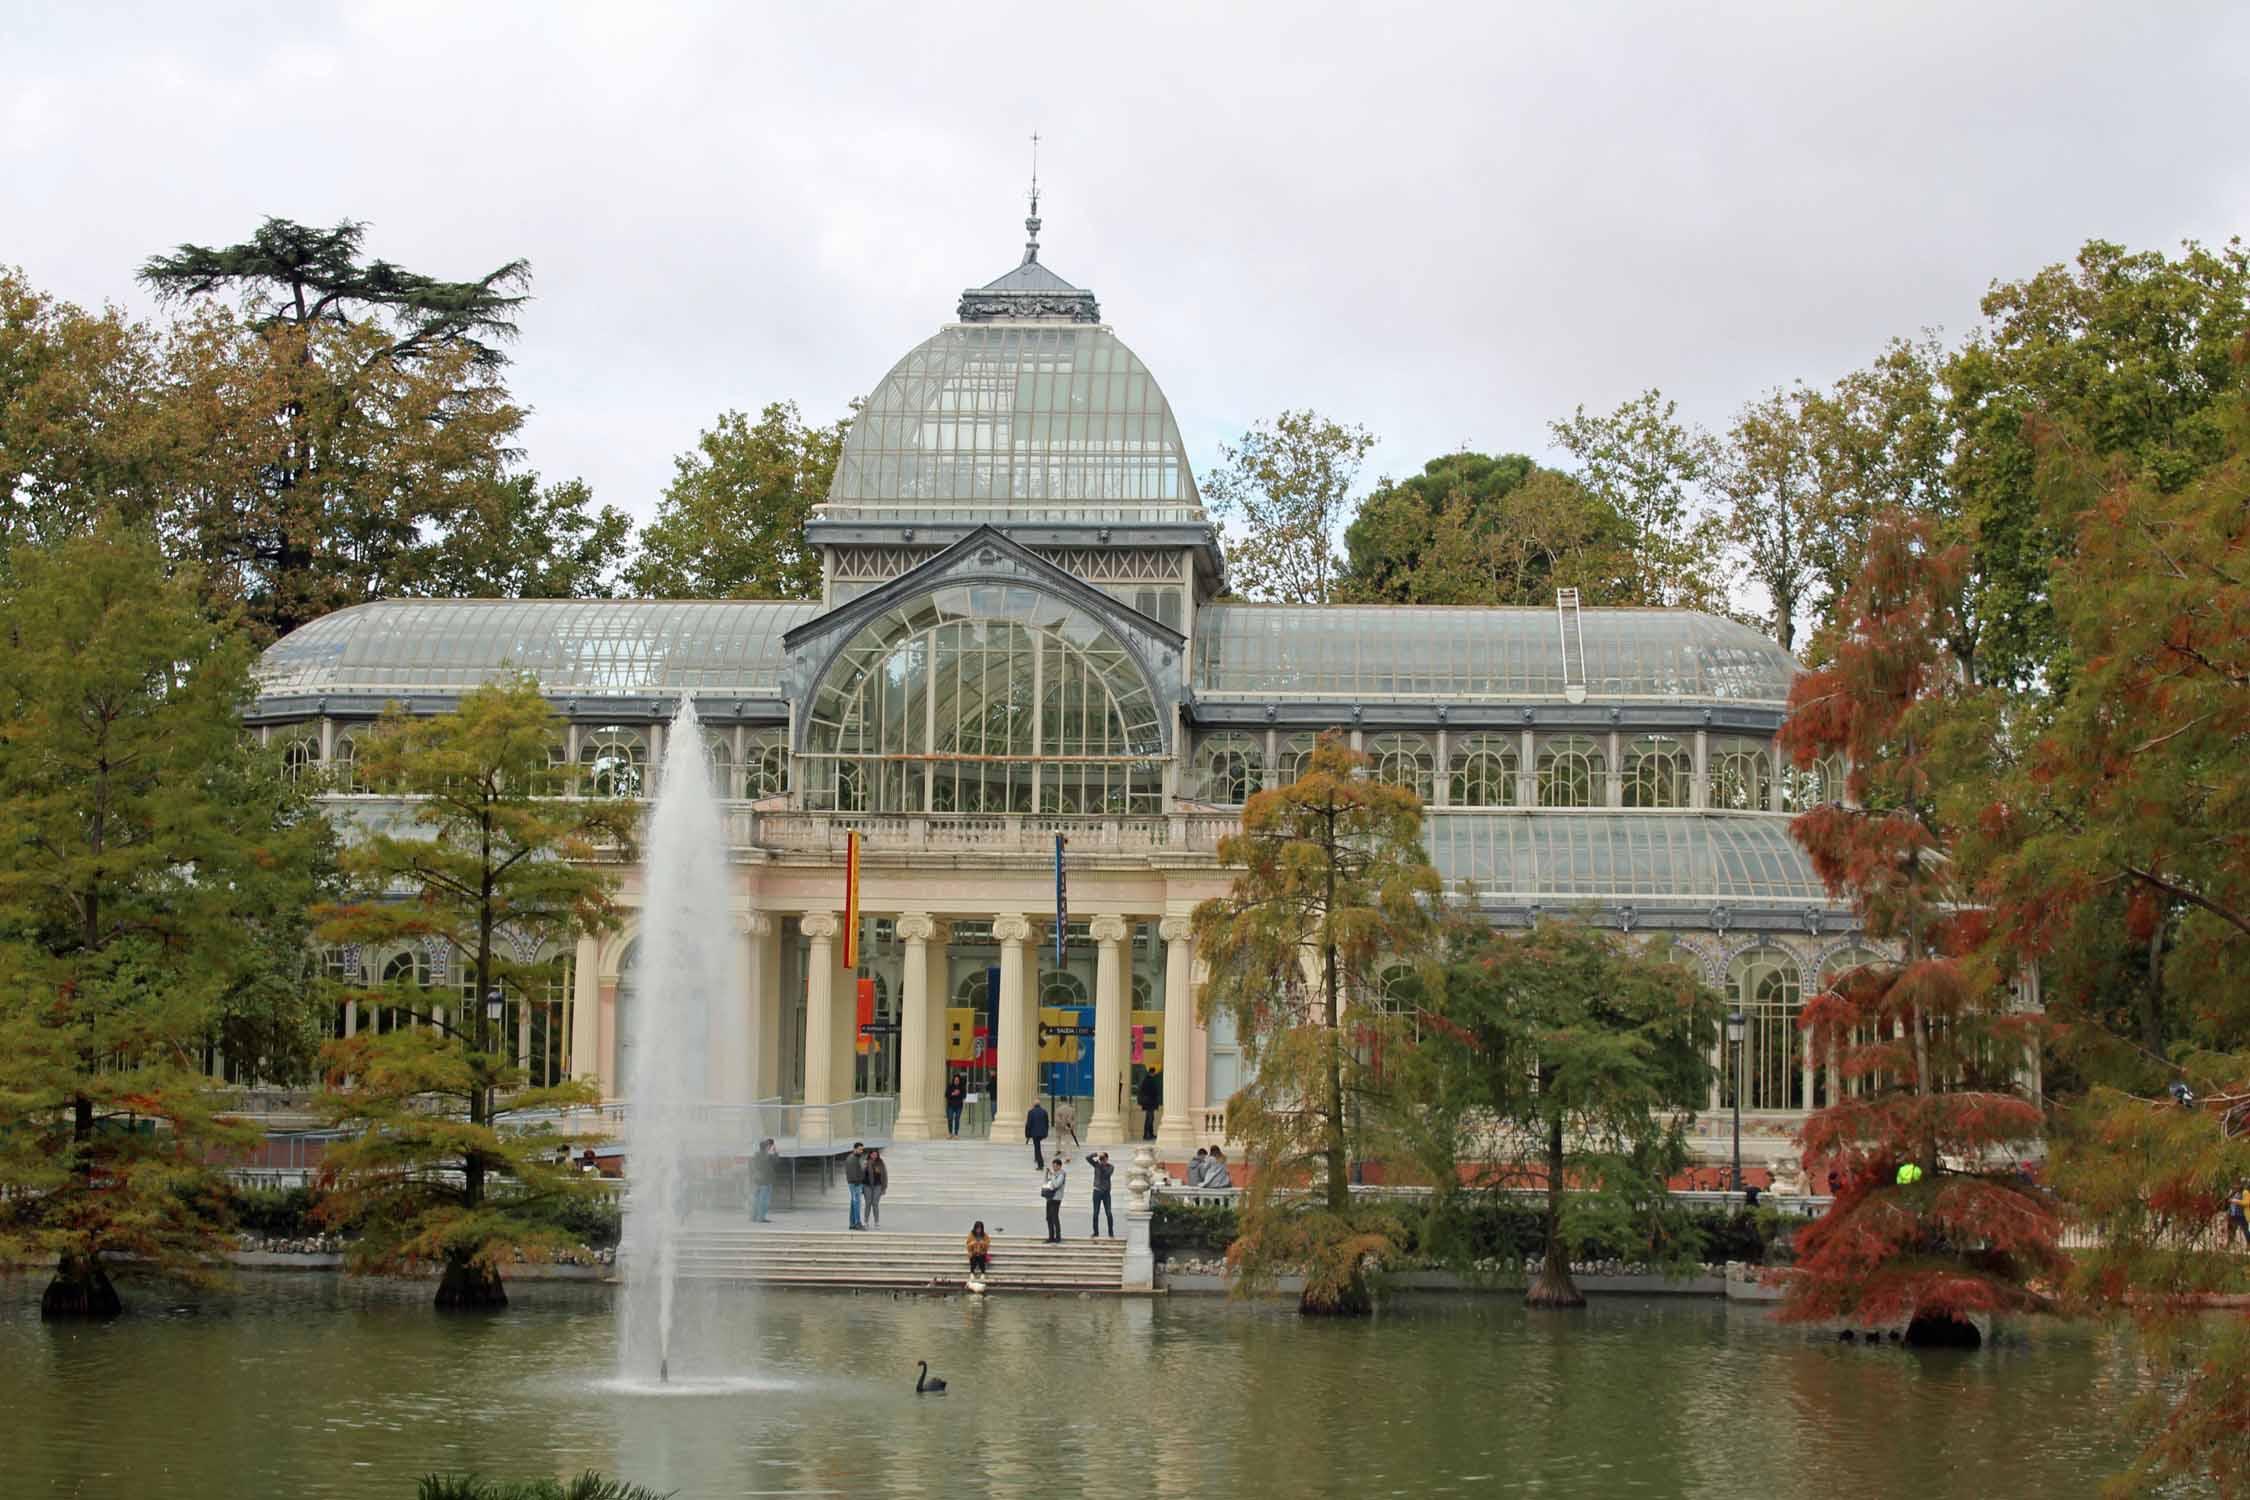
(342,968)
(1483,771)
(1296,755)
(982,699)
(1403,760)
(718,744)
(342,775)
(1832,970)
(1658,770)
(1228,768)
(614,760)
(1573,772)
(1401,996)
(300,757)
(1061,987)
(409,968)
(1813,786)
(1741,775)
(1766,985)
(765,766)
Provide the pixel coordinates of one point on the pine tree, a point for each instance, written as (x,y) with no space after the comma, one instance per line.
(1333,883)
(450,1161)
(1928,1049)
(145,837)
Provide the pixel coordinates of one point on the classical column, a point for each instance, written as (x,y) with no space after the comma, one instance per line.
(1108,1123)
(820,1027)
(934,1073)
(764,982)
(914,1103)
(734,1019)
(1017,1059)
(1176,1129)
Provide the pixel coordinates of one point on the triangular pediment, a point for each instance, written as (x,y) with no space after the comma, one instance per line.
(985,557)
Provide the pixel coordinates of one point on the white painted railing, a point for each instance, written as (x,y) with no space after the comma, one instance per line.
(1195,833)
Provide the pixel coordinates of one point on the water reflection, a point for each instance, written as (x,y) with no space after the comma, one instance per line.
(306,1386)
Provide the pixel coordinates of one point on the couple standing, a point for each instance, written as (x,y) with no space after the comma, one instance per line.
(867,1178)
(1058,1177)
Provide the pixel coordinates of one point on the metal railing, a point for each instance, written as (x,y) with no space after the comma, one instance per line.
(1805,1205)
(820,832)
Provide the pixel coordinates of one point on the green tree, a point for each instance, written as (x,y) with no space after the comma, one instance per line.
(1282,493)
(450,1162)
(1768,474)
(1333,883)
(1473,529)
(348,435)
(1565,1058)
(78,435)
(145,837)
(731,524)
(523,540)
(1646,465)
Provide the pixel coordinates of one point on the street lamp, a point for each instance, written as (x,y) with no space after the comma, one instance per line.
(1736,1024)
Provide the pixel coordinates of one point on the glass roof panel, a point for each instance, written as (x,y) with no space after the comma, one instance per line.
(1362,651)
(1560,858)
(993,421)
(570,645)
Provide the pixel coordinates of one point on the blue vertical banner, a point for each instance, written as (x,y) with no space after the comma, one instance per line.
(1062,900)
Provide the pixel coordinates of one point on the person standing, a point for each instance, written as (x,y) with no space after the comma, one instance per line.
(1102,1204)
(1035,1131)
(956,1095)
(1066,1122)
(855,1179)
(878,1183)
(1150,1097)
(764,1169)
(1052,1191)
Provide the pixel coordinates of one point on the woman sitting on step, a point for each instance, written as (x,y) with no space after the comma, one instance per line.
(980,1250)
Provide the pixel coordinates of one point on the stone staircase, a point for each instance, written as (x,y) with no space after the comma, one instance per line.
(883,1258)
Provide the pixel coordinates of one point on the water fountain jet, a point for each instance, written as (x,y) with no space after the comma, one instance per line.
(684,1053)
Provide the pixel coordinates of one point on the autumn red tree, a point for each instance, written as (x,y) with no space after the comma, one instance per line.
(1928,1049)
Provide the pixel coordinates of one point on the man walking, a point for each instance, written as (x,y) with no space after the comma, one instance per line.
(956,1095)
(1052,1191)
(1035,1131)
(1150,1096)
(855,1178)
(763,1170)
(1102,1173)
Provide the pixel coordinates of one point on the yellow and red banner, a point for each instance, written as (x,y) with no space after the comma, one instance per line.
(851,899)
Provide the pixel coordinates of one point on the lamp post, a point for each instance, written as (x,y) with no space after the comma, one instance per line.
(1735,1028)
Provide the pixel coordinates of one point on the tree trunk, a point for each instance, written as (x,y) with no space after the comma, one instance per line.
(468,1285)
(1552,1287)
(80,1289)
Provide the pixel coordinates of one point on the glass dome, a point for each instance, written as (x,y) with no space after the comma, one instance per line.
(1016,421)
(1408,651)
(983,699)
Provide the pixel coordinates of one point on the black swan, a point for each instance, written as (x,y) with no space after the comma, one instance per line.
(924,1385)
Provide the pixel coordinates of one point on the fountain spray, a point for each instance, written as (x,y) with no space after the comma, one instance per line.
(684,1041)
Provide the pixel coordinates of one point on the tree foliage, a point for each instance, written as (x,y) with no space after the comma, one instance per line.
(1282,493)
(1928,1049)
(1332,884)
(731,524)
(1563,1058)
(448,1163)
(1653,469)
(147,839)
(1474,529)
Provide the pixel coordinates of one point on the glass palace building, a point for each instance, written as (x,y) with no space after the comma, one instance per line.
(1021,635)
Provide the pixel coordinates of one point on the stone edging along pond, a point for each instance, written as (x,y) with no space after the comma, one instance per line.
(1736,1281)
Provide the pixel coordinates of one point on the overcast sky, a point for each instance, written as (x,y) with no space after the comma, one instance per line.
(1451,223)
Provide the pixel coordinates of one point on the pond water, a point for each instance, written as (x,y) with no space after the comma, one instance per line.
(304,1385)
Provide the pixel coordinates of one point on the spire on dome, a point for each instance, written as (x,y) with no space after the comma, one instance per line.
(1031,225)
(1029,292)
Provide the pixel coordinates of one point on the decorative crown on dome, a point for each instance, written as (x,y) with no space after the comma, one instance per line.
(1030,292)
